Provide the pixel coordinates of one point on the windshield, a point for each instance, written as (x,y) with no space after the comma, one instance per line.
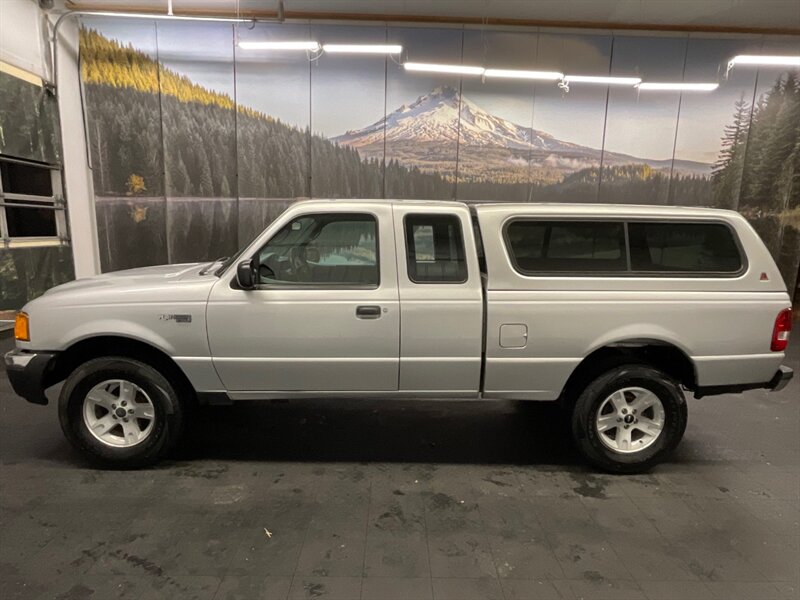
(227,262)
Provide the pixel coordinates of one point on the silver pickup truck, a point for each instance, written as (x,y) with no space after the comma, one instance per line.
(613,311)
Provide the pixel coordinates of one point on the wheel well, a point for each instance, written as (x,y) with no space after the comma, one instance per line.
(100,346)
(663,356)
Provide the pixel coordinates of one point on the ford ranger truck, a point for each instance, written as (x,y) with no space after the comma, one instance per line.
(616,312)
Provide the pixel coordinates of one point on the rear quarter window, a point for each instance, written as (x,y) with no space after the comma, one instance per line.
(435,249)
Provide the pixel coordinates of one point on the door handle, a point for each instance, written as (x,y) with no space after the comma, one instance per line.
(368,312)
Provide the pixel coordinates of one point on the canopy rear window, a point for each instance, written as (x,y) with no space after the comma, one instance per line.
(620,248)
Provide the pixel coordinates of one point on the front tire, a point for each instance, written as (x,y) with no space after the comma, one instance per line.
(120,412)
(629,419)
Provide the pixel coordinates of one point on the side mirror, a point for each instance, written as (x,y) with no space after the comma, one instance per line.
(246,274)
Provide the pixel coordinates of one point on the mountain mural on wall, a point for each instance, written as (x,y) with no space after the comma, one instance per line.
(418,135)
(155,132)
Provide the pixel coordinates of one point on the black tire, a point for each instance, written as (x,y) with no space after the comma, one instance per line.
(590,401)
(169,412)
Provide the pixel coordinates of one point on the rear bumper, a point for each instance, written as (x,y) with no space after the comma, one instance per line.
(779,381)
(28,373)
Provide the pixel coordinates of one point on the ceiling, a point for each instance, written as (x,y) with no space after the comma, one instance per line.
(733,15)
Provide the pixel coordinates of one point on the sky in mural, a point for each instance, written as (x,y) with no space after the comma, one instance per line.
(347,92)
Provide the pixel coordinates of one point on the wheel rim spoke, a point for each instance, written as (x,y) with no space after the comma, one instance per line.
(644,401)
(648,426)
(118,413)
(606,422)
(104,424)
(618,400)
(102,398)
(623,438)
(131,431)
(143,411)
(127,391)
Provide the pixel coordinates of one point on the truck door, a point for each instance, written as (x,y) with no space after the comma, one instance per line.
(325,314)
(441,300)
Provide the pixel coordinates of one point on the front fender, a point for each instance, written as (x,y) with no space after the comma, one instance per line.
(118,328)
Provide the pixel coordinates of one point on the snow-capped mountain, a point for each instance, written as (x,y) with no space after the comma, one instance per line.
(424,134)
(433,117)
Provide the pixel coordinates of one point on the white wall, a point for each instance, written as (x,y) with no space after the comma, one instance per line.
(21,39)
(77,176)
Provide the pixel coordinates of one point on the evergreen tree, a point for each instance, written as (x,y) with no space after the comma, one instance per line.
(727,170)
(769,170)
(206,185)
(225,188)
(178,179)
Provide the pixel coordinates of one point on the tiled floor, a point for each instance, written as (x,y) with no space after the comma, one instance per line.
(390,500)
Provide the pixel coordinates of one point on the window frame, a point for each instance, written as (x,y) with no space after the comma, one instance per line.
(323,286)
(629,272)
(408,254)
(55,202)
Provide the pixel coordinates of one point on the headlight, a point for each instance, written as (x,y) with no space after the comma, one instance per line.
(22,329)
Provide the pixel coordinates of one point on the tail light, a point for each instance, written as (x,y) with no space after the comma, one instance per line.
(780,333)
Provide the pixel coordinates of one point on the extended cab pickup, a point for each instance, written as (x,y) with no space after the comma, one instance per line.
(612,310)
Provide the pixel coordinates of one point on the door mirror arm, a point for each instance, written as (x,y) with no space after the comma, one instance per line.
(246,274)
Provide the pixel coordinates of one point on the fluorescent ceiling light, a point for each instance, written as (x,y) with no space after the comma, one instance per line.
(312,46)
(123,15)
(515,74)
(752,59)
(363,48)
(603,80)
(432,68)
(688,87)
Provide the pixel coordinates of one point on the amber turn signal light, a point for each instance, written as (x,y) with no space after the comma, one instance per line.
(22,330)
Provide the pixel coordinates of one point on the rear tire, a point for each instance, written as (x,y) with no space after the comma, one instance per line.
(629,419)
(120,412)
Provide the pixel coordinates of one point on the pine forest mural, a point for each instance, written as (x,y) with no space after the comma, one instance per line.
(193,157)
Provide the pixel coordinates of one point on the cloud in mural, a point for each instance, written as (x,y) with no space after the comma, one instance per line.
(564,163)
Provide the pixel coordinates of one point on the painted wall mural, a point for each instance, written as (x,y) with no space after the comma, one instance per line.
(196,147)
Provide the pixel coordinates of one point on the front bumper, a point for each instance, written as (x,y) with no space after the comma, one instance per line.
(28,373)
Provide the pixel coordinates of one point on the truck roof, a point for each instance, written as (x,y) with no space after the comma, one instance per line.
(621,210)
(385,201)
(555,208)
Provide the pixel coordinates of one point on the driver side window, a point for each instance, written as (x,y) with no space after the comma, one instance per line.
(322,249)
